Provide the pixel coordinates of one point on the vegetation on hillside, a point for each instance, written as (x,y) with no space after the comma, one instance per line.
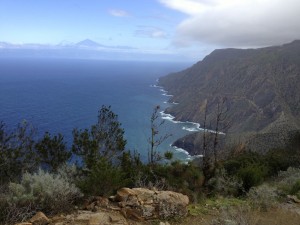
(260,85)
(38,174)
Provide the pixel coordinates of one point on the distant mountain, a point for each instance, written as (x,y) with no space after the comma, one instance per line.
(86,49)
(88,43)
(261,88)
(5,45)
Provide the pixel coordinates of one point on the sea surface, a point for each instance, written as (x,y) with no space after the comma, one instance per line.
(58,95)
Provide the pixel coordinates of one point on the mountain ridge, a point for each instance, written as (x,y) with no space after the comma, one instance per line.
(260,87)
(85,49)
(88,43)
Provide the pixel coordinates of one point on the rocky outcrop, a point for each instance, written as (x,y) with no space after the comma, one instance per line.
(39,219)
(144,204)
(128,206)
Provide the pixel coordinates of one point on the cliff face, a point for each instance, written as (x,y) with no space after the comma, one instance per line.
(261,87)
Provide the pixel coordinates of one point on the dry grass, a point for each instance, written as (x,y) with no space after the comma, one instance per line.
(239,213)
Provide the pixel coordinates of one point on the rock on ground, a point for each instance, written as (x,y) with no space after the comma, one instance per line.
(129,206)
(144,204)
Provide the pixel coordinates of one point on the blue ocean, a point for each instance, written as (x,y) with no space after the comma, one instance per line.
(58,95)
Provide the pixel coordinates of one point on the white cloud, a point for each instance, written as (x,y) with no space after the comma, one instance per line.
(237,23)
(118,13)
(150,32)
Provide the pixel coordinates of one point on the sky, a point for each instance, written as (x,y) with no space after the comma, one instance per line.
(190,29)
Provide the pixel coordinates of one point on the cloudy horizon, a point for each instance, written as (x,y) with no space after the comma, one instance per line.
(187,28)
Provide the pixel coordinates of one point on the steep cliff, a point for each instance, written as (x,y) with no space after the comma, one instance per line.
(261,88)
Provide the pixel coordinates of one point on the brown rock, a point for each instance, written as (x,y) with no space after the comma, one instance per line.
(58,219)
(144,195)
(97,219)
(163,223)
(113,219)
(102,202)
(141,203)
(91,206)
(171,204)
(39,219)
(293,198)
(123,193)
(130,213)
(23,223)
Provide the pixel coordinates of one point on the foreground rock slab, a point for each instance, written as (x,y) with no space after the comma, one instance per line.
(39,219)
(144,204)
(129,206)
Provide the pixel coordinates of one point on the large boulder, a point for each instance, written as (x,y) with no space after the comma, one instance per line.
(144,204)
(39,219)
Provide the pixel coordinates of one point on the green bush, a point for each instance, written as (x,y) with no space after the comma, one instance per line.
(105,139)
(185,178)
(252,175)
(52,151)
(48,192)
(234,164)
(103,179)
(131,166)
(251,168)
(16,152)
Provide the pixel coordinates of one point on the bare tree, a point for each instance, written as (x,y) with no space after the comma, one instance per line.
(211,137)
(154,141)
(222,124)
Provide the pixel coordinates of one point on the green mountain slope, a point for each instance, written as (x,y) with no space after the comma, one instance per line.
(261,87)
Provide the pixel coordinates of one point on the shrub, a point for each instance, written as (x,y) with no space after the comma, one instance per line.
(252,175)
(11,213)
(295,189)
(16,152)
(263,197)
(278,160)
(103,179)
(241,215)
(70,173)
(52,151)
(250,167)
(290,181)
(48,192)
(185,178)
(290,176)
(105,139)
(222,184)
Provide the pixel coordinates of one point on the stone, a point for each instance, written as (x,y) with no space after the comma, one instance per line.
(293,198)
(163,223)
(113,219)
(91,206)
(98,219)
(59,219)
(171,204)
(123,193)
(148,211)
(39,219)
(144,204)
(102,202)
(133,214)
(24,223)
(83,217)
